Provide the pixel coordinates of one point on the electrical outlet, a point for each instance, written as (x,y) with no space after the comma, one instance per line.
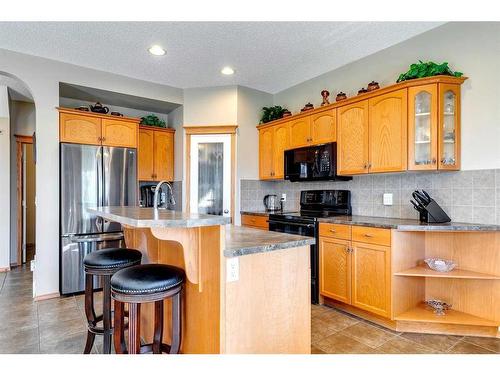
(283,197)
(387,199)
(232,269)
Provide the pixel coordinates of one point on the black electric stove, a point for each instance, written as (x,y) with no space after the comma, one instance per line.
(313,205)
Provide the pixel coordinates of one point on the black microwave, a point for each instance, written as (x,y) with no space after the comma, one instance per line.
(313,163)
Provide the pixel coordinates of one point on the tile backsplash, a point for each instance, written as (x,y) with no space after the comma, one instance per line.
(466,196)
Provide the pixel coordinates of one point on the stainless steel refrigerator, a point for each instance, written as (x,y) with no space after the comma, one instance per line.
(91,176)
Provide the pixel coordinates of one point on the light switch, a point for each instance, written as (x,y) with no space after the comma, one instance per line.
(283,197)
(232,269)
(387,199)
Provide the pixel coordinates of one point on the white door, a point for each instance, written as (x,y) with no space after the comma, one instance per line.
(210,174)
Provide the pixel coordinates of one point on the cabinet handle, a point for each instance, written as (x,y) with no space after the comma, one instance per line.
(365,166)
(442,160)
(99,139)
(368,235)
(103,139)
(333,230)
(369,165)
(434,161)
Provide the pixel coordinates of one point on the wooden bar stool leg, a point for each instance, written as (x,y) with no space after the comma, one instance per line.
(106,314)
(119,328)
(134,326)
(158,333)
(89,311)
(176,324)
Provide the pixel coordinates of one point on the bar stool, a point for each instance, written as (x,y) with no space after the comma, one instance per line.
(142,284)
(103,263)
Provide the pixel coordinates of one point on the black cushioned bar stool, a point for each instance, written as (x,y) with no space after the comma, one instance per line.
(103,263)
(142,284)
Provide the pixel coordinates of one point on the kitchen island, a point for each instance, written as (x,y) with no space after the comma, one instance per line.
(247,290)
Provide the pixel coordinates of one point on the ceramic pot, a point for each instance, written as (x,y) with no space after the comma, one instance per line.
(340,96)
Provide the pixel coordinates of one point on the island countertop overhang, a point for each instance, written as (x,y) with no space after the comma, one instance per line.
(142,217)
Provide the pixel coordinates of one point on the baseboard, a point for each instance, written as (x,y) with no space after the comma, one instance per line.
(47,296)
(4,269)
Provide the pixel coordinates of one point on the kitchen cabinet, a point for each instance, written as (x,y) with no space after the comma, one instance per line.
(300,132)
(156,154)
(355,266)
(353,139)
(324,127)
(434,127)
(371,278)
(387,132)
(76,128)
(117,133)
(335,269)
(97,129)
(411,125)
(255,221)
(273,141)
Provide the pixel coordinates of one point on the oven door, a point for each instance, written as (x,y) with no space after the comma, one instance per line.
(291,227)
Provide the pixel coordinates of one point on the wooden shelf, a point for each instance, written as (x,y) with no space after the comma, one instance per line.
(422,271)
(422,313)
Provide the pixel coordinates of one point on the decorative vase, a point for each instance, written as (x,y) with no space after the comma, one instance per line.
(340,96)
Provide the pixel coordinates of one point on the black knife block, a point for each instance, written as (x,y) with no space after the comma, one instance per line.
(434,214)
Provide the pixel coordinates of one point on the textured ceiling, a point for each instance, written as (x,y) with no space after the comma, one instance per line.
(268,56)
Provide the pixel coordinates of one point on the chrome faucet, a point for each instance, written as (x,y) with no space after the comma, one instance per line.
(157,190)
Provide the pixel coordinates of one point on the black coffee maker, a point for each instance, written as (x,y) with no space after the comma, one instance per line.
(147,193)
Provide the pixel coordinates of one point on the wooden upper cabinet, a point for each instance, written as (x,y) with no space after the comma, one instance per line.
(324,127)
(281,141)
(164,155)
(335,269)
(422,127)
(266,153)
(145,155)
(155,155)
(119,133)
(388,132)
(371,278)
(449,126)
(352,137)
(76,128)
(300,132)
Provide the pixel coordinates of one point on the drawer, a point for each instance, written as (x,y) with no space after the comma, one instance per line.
(255,221)
(377,236)
(340,231)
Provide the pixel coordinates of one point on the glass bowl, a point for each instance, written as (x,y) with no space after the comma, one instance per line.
(439,306)
(440,265)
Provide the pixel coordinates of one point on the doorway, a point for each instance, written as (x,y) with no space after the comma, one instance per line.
(26,210)
(210,170)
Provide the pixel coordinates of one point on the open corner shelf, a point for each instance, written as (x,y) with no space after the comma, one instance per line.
(422,313)
(421,271)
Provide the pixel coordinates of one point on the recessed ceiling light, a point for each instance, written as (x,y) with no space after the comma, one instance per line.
(156,50)
(227,70)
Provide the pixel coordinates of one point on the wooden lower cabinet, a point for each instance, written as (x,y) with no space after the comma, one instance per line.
(255,221)
(371,278)
(355,273)
(335,269)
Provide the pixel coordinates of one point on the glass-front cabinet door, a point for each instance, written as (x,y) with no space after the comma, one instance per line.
(422,127)
(449,126)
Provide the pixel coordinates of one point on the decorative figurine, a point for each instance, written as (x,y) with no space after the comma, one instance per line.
(373,86)
(325,94)
(341,96)
(362,91)
(286,113)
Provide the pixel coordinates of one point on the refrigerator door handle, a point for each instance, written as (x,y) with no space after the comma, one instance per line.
(96,237)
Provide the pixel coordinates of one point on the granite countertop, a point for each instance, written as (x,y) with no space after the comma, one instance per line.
(141,217)
(245,241)
(409,225)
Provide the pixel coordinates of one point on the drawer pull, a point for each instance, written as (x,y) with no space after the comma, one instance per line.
(333,231)
(368,235)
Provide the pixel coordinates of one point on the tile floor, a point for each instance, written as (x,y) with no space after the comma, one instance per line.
(334,332)
(59,326)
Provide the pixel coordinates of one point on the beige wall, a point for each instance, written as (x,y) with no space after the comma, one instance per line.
(473,48)
(22,122)
(4,177)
